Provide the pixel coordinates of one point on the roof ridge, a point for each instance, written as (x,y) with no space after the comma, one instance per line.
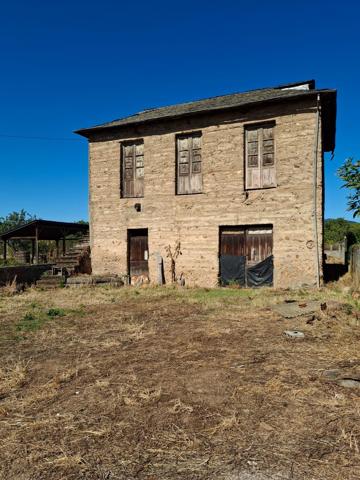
(145,110)
(217,102)
(277,87)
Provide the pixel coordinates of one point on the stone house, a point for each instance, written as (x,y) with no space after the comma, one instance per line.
(233,184)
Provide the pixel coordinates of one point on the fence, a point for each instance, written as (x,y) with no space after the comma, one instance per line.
(336,251)
(355,264)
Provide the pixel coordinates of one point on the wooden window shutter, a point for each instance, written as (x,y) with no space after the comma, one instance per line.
(189,166)
(196,167)
(128,171)
(268,157)
(132,181)
(260,157)
(183,165)
(252,165)
(139,170)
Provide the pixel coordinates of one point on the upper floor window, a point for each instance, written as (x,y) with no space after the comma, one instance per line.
(188,165)
(260,156)
(132,169)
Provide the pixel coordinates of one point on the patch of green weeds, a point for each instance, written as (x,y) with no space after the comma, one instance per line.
(36,318)
(35,305)
(348,308)
(233,284)
(31,322)
(205,295)
(56,312)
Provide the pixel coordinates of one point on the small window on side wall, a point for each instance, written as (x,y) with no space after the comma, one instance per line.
(260,169)
(189,164)
(132,169)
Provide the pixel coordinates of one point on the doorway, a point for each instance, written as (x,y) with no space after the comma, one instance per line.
(138,253)
(246,255)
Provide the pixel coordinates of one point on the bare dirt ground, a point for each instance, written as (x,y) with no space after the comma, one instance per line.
(160,383)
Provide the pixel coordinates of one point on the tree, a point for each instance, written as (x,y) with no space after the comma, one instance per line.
(338,228)
(15,219)
(350,174)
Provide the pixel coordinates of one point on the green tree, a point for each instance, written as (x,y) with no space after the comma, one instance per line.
(338,228)
(350,174)
(15,219)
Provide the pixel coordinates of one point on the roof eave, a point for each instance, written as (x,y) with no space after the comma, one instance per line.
(89,132)
(328,114)
(49,223)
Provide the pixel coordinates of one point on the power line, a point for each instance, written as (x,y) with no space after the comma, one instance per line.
(26,137)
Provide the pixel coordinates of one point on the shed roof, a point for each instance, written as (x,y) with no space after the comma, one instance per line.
(47,230)
(284,92)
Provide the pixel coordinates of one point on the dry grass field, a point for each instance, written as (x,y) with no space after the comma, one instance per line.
(161,383)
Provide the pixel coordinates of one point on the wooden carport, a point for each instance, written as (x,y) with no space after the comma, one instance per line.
(43,230)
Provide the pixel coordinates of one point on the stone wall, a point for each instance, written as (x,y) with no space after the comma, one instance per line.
(194,220)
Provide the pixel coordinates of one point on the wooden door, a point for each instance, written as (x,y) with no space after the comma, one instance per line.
(138,252)
(232,242)
(232,256)
(259,244)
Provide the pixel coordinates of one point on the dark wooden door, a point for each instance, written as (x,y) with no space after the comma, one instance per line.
(232,242)
(232,256)
(138,253)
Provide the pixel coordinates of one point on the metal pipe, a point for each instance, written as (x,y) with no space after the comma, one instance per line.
(316,233)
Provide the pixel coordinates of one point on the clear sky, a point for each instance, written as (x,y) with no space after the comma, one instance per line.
(72,64)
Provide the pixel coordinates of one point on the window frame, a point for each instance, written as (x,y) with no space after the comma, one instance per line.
(257,126)
(123,144)
(191,163)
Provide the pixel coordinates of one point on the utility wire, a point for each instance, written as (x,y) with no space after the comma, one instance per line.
(25,137)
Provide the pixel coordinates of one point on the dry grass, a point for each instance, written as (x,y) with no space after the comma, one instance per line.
(12,376)
(164,383)
(10,288)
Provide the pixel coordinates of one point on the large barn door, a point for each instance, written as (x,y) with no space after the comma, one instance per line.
(246,256)
(138,253)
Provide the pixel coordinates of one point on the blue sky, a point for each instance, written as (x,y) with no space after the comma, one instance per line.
(72,64)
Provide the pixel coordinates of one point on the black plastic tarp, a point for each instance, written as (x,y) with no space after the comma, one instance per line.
(261,273)
(232,269)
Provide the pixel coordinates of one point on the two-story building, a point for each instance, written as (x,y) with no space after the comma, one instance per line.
(235,183)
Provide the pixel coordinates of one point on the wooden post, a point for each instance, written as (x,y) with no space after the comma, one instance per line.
(32,259)
(57,249)
(64,245)
(37,246)
(5,250)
